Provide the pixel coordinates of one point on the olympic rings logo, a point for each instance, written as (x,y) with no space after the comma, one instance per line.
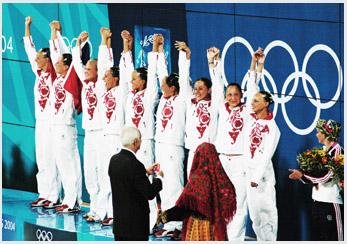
(42,235)
(71,44)
(282,98)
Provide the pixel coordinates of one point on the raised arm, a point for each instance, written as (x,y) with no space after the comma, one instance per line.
(76,55)
(254,76)
(214,64)
(186,90)
(161,64)
(151,91)
(28,21)
(57,34)
(54,46)
(105,57)
(126,65)
(29,44)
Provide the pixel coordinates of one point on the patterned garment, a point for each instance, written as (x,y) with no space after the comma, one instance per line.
(167,112)
(209,191)
(91,99)
(198,229)
(110,105)
(60,94)
(43,90)
(258,132)
(202,111)
(138,107)
(235,120)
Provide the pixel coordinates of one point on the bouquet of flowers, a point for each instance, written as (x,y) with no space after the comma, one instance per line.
(336,165)
(316,162)
(313,162)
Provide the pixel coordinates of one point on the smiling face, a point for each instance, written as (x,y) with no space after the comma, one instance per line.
(91,70)
(41,60)
(201,91)
(258,103)
(137,83)
(233,96)
(109,80)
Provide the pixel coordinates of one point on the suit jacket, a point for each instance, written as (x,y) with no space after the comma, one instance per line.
(131,190)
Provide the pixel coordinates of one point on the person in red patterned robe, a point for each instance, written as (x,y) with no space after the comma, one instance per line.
(207,203)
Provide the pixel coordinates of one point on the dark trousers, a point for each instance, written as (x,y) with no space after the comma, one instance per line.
(326,220)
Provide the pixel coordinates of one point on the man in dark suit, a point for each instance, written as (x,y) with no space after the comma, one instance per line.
(131,189)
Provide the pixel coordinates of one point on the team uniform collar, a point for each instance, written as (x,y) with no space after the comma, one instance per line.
(207,99)
(268,117)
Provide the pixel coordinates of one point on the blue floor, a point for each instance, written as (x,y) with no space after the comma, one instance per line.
(21,221)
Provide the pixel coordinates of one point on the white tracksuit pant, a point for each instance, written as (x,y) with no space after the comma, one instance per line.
(92,158)
(171,159)
(146,156)
(48,181)
(262,208)
(111,145)
(68,162)
(234,166)
(190,161)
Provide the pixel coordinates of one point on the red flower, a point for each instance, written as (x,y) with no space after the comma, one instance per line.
(167,112)
(92,100)
(111,104)
(44,91)
(324,160)
(256,140)
(60,95)
(238,123)
(139,109)
(204,118)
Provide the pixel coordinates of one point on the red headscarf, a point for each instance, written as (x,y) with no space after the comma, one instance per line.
(209,190)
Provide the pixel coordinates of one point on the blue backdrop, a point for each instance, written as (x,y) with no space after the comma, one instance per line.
(300,40)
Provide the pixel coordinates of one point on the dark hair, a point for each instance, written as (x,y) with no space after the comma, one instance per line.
(172,80)
(237,86)
(267,97)
(46,52)
(142,73)
(67,59)
(207,82)
(115,71)
(85,53)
